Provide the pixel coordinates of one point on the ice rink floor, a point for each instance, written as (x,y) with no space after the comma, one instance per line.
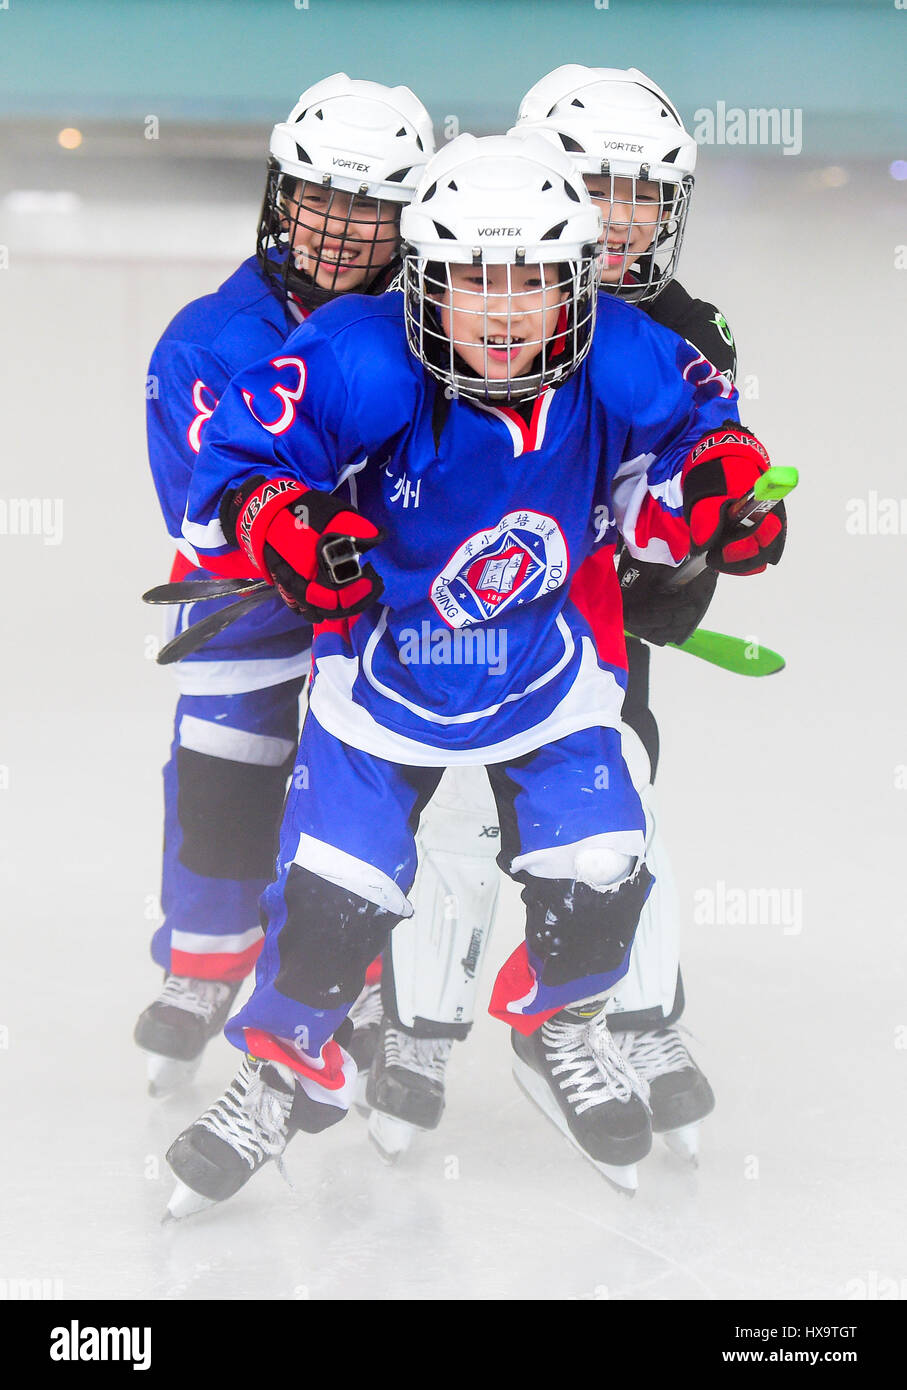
(798,782)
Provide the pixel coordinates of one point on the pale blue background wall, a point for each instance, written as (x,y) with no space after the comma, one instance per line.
(220,61)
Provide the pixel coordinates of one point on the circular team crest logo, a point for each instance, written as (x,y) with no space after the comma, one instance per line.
(502,567)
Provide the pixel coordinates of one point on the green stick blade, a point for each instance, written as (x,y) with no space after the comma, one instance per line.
(732,653)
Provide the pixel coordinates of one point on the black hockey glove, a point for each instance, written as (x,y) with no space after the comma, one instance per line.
(655,613)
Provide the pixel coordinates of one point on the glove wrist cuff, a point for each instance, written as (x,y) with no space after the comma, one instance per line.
(729,441)
(251,510)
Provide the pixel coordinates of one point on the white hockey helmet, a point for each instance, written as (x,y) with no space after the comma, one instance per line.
(617,123)
(496,202)
(345,160)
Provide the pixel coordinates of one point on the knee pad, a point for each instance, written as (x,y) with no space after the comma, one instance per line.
(229,814)
(329,940)
(576,930)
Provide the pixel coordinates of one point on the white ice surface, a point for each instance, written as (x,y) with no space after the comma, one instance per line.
(786,783)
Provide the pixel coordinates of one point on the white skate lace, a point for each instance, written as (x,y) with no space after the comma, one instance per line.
(654,1054)
(200,997)
(367,1008)
(251,1116)
(596,1071)
(429,1056)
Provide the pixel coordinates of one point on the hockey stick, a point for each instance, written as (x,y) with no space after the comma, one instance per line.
(718,648)
(744,658)
(199,633)
(196,590)
(340,556)
(769,489)
(730,653)
(737,654)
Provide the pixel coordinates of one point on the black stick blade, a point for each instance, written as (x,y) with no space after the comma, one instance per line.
(194,590)
(199,633)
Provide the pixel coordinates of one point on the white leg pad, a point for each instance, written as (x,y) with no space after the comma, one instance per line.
(651,981)
(437,953)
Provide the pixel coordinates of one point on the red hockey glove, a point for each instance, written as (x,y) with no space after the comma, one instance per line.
(720,470)
(307,543)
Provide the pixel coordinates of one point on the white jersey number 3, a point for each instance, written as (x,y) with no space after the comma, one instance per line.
(283,394)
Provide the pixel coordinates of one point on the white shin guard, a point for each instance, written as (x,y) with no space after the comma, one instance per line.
(436,955)
(650,986)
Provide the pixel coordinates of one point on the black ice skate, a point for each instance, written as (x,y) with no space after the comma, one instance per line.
(405,1089)
(573,1071)
(173,1030)
(365,1016)
(236,1136)
(679,1094)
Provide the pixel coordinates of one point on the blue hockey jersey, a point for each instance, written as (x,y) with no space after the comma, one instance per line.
(476,652)
(206,344)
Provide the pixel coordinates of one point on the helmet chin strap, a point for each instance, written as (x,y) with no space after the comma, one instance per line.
(311,295)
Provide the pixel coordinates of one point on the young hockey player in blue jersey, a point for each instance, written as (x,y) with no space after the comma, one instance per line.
(493,438)
(637,160)
(341,167)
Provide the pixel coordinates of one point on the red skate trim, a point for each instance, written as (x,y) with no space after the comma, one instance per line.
(595,591)
(373,974)
(515,980)
(271,1049)
(226,966)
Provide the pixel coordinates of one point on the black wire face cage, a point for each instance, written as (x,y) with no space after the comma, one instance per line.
(645,235)
(506,337)
(317,242)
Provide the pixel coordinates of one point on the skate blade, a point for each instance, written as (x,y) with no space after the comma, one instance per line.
(624,1178)
(391,1137)
(184,1202)
(684,1142)
(168,1074)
